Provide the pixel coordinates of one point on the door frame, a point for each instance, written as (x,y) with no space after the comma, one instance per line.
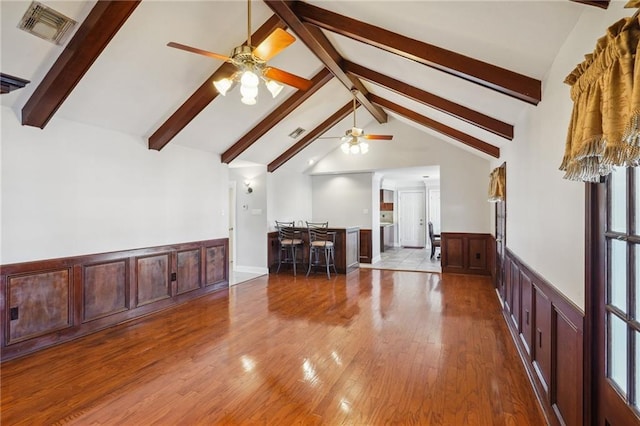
(501,242)
(233,220)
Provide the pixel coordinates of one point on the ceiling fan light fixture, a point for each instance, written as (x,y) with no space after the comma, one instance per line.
(274,87)
(356,131)
(345,147)
(354,149)
(364,147)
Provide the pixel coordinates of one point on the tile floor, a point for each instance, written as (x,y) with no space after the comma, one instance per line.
(397,258)
(407,259)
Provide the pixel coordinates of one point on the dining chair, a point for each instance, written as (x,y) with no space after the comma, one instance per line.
(434,239)
(290,240)
(321,245)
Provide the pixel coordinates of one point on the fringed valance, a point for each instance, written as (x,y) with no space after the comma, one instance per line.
(497,180)
(605,124)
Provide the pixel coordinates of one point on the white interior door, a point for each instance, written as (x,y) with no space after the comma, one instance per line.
(411,220)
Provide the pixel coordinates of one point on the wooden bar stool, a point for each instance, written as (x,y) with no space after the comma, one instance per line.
(290,240)
(321,243)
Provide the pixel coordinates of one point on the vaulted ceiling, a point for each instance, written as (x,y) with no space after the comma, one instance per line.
(462,71)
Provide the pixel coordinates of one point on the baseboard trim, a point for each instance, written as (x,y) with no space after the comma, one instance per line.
(251,269)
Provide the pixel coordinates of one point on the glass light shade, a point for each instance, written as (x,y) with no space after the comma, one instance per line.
(364,147)
(248,101)
(249,79)
(345,147)
(354,149)
(249,91)
(223,85)
(274,87)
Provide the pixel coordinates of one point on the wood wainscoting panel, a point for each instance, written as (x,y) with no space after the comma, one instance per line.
(104,289)
(56,300)
(526,329)
(216,260)
(39,303)
(453,247)
(542,334)
(467,253)
(153,279)
(515,297)
(567,404)
(366,246)
(549,337)
(188,270)
(478,253)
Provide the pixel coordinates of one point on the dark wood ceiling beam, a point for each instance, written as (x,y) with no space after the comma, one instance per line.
(284,109)
(311,136)
(316,41)
(9,83)
(485,122)
(466,139)
(487,75)
(205,94)
(602,4)
(95,33)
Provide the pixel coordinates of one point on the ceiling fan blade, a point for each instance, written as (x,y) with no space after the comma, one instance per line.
(378,137)
(275,43)
(287,78)
(198,51)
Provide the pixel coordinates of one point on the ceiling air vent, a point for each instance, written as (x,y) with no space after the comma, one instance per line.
(297,132)
(46,23)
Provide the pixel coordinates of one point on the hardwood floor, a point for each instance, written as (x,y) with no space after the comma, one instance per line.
(372,347)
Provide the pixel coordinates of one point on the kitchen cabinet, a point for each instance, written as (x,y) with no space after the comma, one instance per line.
(386,200)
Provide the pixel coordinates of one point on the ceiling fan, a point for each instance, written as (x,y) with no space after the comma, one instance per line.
(251,64)
(351,143)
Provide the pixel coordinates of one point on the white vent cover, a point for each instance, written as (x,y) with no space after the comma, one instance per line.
(46,23)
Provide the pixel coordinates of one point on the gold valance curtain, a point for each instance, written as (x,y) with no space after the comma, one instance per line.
(497,180)
(605,125)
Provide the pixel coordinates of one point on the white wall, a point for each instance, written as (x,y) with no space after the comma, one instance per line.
(344,200)
(464,176)
(251,219)
(545,213)
(73,189)
(289,197)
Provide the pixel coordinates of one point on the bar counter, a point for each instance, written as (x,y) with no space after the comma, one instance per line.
(347,250)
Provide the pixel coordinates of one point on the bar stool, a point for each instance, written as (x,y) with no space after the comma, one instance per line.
(321,242)
(290,240)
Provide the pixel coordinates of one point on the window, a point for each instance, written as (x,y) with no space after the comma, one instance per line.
(622,288)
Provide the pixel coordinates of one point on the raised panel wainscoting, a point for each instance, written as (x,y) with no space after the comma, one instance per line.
(547,329)
(44,303)
(467,253)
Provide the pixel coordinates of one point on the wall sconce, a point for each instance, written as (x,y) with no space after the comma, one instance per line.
(248,189)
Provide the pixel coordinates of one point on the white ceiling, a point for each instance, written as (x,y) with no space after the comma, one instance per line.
(138,82)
